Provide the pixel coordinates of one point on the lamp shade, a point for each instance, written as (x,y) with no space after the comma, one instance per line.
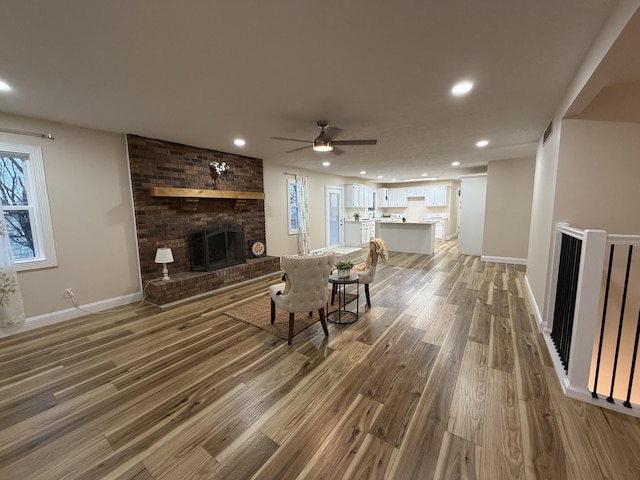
(164,255)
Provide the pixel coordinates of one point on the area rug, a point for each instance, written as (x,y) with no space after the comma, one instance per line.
(257,312)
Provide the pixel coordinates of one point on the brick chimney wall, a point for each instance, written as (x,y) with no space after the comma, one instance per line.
(168,222)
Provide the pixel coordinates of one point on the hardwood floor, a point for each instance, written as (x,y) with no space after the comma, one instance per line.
(444,377)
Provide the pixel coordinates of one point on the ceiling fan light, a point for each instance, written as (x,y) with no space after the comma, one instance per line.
(320,145)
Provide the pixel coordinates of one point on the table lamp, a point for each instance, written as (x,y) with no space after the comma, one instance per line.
(164,256)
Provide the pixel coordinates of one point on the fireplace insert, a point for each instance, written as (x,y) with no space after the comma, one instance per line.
(216,248)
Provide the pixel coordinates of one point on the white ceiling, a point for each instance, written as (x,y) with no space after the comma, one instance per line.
(202,73)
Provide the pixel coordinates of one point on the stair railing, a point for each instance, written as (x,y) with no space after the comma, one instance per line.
(594,307)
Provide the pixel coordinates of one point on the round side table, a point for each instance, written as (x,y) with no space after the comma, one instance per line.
(341,315)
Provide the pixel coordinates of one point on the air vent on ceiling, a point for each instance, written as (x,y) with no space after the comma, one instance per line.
(547,132)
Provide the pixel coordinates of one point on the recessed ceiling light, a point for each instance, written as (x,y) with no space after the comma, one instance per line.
(393,179)
(239,142)
(462,88)
(326,164)
(380,176)
(425,174)
(482,143)
(4,86)
(455,164)
(363,172)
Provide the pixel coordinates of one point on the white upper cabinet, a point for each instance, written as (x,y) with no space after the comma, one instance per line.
(436,196)
(416,191)
(397,197)
(358,196)
(383,197)
(368,196)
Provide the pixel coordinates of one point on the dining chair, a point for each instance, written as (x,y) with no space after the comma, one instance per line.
(367,271)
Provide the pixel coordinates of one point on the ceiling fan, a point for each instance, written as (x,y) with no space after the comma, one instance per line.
(323,142)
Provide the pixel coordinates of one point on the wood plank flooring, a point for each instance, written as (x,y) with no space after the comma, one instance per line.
(444,377)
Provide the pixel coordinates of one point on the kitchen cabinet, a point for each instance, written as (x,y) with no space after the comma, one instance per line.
(358,233)
(438,220)
(440,230)
(436,196)
(353,196)
(358,196)
(416,191)
(372,230)
(410,237)
(383,197)
(397,197)
(368,196)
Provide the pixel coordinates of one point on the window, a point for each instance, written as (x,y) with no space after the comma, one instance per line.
(25,206)
(292,193)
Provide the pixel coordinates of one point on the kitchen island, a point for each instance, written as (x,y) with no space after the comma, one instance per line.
(409,237)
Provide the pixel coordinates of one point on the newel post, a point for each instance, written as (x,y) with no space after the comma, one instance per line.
(586,315)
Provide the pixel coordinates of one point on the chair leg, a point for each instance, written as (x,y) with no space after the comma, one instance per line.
(334,289)
(291,315)
(273,311)
(323,321)
(366,293)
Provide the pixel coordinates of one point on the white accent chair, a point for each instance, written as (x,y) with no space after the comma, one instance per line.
(306,288)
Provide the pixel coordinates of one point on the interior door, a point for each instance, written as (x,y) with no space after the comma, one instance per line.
(335,216)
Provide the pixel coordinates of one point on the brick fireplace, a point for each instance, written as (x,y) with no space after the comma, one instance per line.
(165,218)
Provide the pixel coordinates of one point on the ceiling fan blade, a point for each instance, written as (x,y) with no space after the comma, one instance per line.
(296,149)
(290,139)
(332,132)
(337,151)
(354,142)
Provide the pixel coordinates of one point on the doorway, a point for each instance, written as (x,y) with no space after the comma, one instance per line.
(335,216)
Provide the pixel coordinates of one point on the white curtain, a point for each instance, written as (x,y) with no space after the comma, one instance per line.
(303,215)
(11,306)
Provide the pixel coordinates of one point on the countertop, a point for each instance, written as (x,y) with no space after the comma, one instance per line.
(408,222)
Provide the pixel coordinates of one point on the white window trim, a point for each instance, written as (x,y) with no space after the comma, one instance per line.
(38,200)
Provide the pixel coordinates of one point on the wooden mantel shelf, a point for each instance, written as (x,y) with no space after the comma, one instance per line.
(204,193)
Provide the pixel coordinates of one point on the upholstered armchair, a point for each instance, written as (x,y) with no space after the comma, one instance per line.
(367,271)
(305,288)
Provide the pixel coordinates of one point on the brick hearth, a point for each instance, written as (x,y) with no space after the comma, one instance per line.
(168,222)
(190,284)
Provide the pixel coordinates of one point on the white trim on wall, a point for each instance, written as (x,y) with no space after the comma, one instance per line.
(71,313)
(515,261)
(133,217)
(534,306)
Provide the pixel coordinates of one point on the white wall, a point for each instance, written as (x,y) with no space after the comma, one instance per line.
(598,173)
(279,242)
(87,176)
(591,77)
(508,210)
(541,227)
(587,177)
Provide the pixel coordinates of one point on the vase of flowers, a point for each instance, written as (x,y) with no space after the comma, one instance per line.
(344,269)
(218,169)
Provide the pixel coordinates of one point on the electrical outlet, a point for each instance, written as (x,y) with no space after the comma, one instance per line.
(68,292)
